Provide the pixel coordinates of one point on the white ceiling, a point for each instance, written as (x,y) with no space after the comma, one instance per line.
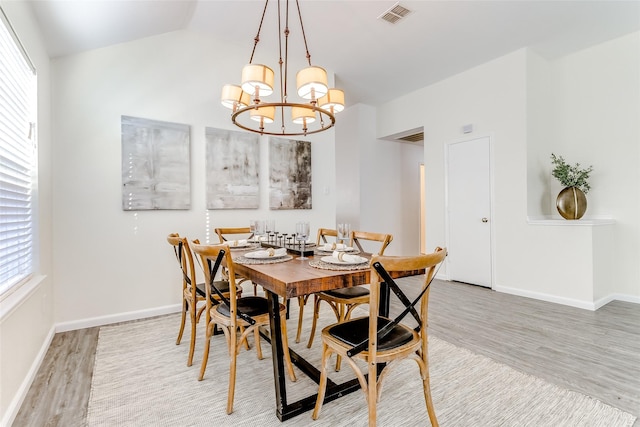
(374,61)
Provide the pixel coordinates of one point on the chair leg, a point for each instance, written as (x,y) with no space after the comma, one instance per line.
(427,397)
(256,335)
(322,384)
(341,318)
(232,372)
(285,349)
(316,308)
(192,344)
(205,356)
(301,303)
(372,393)
(183,320)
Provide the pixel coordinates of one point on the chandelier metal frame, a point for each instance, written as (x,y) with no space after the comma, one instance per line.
(264,117)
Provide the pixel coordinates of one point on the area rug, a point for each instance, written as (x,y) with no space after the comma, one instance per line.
(141,379)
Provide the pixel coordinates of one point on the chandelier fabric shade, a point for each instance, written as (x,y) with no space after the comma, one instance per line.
(302,116)
(264,114)
(234,97)
(333,101)
(312,82)
(283,117)
(256,76)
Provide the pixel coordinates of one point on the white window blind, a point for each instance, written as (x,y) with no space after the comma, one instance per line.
(17,159)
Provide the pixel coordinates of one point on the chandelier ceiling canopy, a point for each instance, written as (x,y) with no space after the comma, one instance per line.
(313,113)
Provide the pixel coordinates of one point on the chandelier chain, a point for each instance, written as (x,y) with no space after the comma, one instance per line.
(256,39)
(304,36)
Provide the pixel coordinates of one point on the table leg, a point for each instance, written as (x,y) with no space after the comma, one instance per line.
(284,410)
(277,353)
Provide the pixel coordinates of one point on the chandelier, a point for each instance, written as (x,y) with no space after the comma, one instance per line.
(314,113)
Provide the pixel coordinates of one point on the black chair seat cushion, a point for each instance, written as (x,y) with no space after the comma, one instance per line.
(251,306)
(353,292)
(353,332)
(222,285)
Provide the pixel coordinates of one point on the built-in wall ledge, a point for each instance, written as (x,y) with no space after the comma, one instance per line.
(559,221)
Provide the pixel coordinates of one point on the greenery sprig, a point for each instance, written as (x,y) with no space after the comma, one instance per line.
(571,176)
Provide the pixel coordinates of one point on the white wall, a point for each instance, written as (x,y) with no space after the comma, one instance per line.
(597,100)
(110,263)
(593,118)
(26,316)
(378,181)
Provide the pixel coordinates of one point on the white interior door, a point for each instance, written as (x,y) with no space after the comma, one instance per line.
(469,209)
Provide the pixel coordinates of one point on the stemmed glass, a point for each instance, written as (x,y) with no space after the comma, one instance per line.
(302,233)
(344,232)
(260,229)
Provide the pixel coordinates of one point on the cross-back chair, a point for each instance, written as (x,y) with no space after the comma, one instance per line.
(237,317)
(193,296)
(231,234)
(383,341)
(321,239)
(344,300)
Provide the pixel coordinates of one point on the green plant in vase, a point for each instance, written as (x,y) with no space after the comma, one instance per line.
(571,202)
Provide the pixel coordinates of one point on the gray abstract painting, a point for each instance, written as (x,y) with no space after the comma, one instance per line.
(155,164)
(233,169)
(289,174)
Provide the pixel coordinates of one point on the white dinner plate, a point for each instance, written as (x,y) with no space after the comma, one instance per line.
(325,249)
(246,245)
(262,255)
(334,260)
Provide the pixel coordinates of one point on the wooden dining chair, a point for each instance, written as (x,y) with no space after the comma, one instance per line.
(382,342)
(321,239)
(344,300)
(235,233)
(237,317)
(193,296)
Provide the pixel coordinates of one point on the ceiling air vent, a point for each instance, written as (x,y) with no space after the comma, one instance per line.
(394,14)
(416,137)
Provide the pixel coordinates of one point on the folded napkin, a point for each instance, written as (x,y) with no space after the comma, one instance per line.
(342,256)
(270,252)
(233,243)
(334,246)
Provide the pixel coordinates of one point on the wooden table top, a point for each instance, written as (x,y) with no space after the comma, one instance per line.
(296,277)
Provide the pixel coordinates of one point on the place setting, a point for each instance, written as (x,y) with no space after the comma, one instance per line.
(264,256)
(341,260)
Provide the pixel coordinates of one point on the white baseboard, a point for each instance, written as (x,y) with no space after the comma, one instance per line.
(616,297)
(115,318)
(16,403)
(587,305)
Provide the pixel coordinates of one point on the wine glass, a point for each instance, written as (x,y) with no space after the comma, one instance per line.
(344,232)
(260,229)
(302,233)
(252,229)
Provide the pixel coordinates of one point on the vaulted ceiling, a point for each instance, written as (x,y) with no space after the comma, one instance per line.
(373,60)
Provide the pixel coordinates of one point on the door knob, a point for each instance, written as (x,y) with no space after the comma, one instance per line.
(485,220)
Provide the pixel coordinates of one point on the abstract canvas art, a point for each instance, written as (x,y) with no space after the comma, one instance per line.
(233,169)
(289,174)
(155,164)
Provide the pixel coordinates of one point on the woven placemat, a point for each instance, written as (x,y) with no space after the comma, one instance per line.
(328,266)
(320,251)
(249,247)
(245,260)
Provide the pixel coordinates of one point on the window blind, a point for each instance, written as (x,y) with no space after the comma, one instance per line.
(17,159)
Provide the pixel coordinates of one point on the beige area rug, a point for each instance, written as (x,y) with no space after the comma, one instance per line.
(141,379)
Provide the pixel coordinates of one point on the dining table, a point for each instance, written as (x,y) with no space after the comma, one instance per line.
(288,280)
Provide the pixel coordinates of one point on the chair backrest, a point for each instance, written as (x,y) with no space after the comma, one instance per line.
(183,254)
(213,257)
(359,239)
(382,269)
(323,233)
(233,233)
